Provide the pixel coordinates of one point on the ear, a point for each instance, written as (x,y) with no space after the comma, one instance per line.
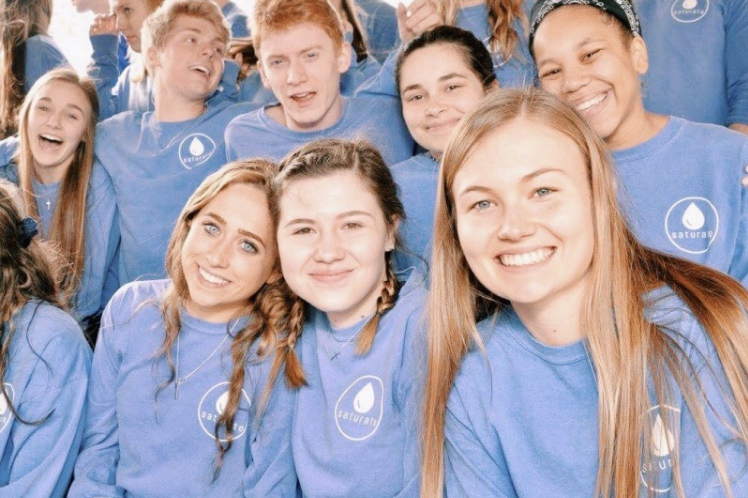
(263,78)
(639,56)
(153,59)
(389,243)
(344,57)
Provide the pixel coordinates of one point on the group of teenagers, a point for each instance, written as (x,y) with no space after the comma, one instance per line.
(480,265)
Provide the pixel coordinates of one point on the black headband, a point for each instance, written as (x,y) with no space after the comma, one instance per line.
(27,229)
(620,9)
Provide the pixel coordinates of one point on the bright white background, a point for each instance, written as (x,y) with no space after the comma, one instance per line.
(70,30)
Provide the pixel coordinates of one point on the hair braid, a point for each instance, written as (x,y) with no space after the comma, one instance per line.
(385,302)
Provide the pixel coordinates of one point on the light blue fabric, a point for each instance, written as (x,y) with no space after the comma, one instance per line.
(377,120)
(237,19)
(356,426)
(101,232)
(682,193)
(42,55)
(155,167)
(522,417)
(698,63)
(379,20)
(47,376)
(417,179)
(119,93)
(141,444)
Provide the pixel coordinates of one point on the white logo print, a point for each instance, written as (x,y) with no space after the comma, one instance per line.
(5,412)
(656,469)
(195,149)
(692,224)
(359,409)
(687,11)
(212,405)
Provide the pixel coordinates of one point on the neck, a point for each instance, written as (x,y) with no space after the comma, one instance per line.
(55,174)
(171,107)
(642,126)
(471,3)
(554,323)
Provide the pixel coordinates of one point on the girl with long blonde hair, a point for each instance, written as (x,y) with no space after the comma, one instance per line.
(52,162)
(44,362)
(180,398)
(564,356)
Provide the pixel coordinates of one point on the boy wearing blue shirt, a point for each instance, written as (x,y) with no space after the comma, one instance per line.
(157,159)
(302,54)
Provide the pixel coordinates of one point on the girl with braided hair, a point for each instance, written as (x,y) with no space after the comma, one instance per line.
(44,362)
(357,332)
(180,400)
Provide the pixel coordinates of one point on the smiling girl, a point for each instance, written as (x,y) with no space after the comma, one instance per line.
(358,330)
(179,377)
(589,365)
(52,161)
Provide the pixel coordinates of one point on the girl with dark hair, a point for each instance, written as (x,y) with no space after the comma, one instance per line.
(356,328)
(44,363)
(180,397)
(26,52)
(52,162)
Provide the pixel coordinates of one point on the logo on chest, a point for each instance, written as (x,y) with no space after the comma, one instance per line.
(692,224)
(5,412)
(214,403)
(687,11)
(657,464)
(195,149)
(359,409)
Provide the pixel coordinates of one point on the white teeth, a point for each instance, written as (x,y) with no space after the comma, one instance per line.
(528,258)
(212,278)
(51,138)
(201,69)
(586,105)
(302,95)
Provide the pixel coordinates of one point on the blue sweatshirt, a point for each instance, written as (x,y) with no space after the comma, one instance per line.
(119,93)
(237,19)
(417,180)
(155,166)
(42,55)
(681,191)
(138,443)
(257,135)
(379,20)
(356,426)
(101,232)
(47,376)
(522,417)
(698,65)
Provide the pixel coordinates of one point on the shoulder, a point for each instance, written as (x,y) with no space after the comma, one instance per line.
(709,135)
(50,332)
(248,119)
(381,104)
(135,296)
(121,121)
(8,148)
(43,43)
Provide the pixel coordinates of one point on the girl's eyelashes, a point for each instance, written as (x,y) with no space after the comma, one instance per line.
(249,247)
(481,205)
(210,228)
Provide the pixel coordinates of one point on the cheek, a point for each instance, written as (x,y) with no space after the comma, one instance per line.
(412,115)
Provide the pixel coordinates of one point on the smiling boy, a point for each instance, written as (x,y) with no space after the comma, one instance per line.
(157,159)
(302,53)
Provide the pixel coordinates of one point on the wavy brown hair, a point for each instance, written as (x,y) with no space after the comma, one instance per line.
(322,158)
(68,226)
(501,17)
(269,308)
(626,350)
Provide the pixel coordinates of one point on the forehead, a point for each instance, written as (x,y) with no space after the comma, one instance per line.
(242,203)
(117,4)
(433,62)
(63,93)
(344,191)
(517,149)
(295,38)
(187,23)
(574,23)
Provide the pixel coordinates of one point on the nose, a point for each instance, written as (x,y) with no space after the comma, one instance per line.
(435,107)
(207,49)
(515,223)
(54,120)
(328,249)
(573,79)
(119,23)
(296,73)
(218,256)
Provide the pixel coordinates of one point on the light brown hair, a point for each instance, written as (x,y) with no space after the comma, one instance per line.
(626,349)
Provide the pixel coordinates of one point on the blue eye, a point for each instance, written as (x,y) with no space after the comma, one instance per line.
(482,205)
(211,228)
(543,191)
(247,246)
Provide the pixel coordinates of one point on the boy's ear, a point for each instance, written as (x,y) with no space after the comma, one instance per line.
(152,57)
(344,57)
(263,78)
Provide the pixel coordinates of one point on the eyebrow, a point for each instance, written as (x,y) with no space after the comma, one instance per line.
(241,231)
(443,78)
(47,99)
(284,56)
(576,47)
(347,214)
(525,179)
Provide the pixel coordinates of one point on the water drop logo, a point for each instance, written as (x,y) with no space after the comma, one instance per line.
(657,466)
(212,405)
(688,11)
(195,149)
(692,224)
(359,409)
(5,413)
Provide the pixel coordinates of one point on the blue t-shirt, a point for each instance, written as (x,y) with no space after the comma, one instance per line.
(356,426)
(522,418)
(379,20)
(681,191)
(47,375)
(417,180)
(101,231)
(155,167)
(698,63)
(42,55)
(377,120)
(237,19)
(140,443)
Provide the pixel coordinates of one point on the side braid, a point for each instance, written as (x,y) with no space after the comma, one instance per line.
(385,302)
